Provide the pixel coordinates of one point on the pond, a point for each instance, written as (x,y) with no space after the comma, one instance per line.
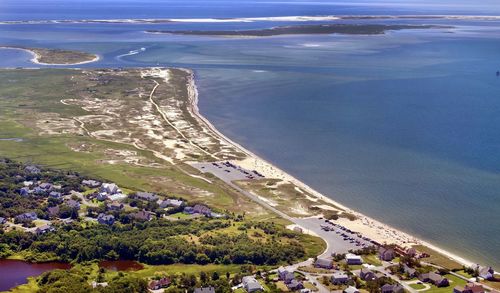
(15,272)
(120,265)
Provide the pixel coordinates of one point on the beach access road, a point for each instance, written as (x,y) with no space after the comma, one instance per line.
(336,242)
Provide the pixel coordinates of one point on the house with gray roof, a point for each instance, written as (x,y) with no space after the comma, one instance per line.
(339,278)
(106,219)
(353,259)
(204,290)
(324,263)
(434,278)
(32,169)
(367,275)
(44,229)
(386,254)
(394,288)
(251,284)
(91,183)
(109,188)
(148,196)
(26,217)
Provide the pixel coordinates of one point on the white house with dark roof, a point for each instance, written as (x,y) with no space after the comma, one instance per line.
(251,284)
(353,259)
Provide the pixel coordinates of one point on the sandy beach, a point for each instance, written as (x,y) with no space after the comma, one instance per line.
(365,225)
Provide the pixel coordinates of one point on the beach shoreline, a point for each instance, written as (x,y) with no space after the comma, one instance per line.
(369,226)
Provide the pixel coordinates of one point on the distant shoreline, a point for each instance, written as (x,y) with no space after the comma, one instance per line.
(253,19)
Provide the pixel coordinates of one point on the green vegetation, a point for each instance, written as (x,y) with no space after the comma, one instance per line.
(438,259)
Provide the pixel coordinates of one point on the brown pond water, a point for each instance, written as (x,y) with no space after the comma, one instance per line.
(120,265)
(15,272)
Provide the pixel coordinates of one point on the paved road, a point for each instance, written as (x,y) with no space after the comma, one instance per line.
(335,242)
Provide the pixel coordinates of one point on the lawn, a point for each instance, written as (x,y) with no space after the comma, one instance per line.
(417,286)
(372,259)
(437,258)
(454,281)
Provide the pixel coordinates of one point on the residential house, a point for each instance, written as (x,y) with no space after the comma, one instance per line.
(469,288)
(102,196)
(486,273)
(39,191)
(159,284)
(109,188)
(339,278)
(27,183)
(324,263)
(295,285)
(2,220)
(171,203)
(91,183)
(106,219)
(73,204)
(55,194)
(142,215)
(53,211)
(434,278)
(251,284)
(26,217)
(32,169)
(204,290)
(386,254)
(285,275)
(352,259)
(367,275)
(46,186)
(395,288)
(189,210)
(148,196)
(201,209)
(44,229)
(115,206)
(411,272)
(24,191)
(351,289)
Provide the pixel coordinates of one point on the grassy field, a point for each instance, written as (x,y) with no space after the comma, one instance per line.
(438,259)
(417,286)
(454,281)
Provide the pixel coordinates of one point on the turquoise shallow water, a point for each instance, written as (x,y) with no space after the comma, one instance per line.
(403,127)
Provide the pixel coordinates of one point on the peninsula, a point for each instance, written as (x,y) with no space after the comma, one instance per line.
(44,56)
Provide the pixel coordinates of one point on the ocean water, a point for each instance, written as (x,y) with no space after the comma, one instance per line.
(404,127)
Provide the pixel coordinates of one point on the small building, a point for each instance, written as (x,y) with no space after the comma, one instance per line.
(159,284)
(386,254)
(171,203)
(32,169)
(353,259)
(73,204)
(251,284)
(367,275)
(55,194)
(115,206)
(44,229)
(106,219)
(24,191)
(202,209)
(350,289)
(109,188)
(204,290)
(189,210)
(26,217)
(486,273)
(324,263)
(295,285)
(46,186)
(53,211)
(39,191)
(142,215)
(411,272)
(91,183)
(434,278)
(339,278)
(28,183)
(2,220)
(148,196)
(469,288)
(395,288)
(102,196)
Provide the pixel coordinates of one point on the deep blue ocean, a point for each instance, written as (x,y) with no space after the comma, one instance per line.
(404,127)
